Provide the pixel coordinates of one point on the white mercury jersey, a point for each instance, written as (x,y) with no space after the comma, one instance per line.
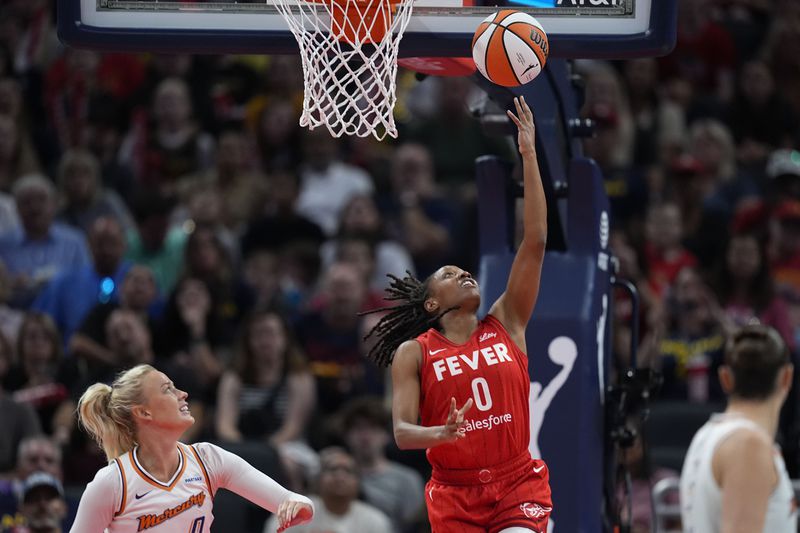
(125,498)
(701,496)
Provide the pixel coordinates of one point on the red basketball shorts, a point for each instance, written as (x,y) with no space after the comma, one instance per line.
(490,500)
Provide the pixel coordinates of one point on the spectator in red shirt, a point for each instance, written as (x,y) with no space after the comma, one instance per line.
(665,256)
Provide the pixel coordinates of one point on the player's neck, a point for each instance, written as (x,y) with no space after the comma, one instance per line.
(764,414)
(159,456)
(458,326)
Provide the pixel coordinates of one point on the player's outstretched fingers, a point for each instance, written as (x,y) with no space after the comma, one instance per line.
(466,407)
(451,416)
(527,109)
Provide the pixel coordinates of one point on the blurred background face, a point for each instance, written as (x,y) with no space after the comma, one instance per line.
(338,477)
(412,168)
(641,75)
(663,227)
(360,255)
(204,253)
(138,288)
(38,455)
(205,207)
(81,63)
(602,87)
(743,258)
(36,209)
(345,289)
(707,149)
(127,336)
(261,272)
(366,439)
(361,216)
(43,509)
(267,340)
(278,122)
(107,243)
(232,152)
(756,82)
(38,352)
(79,181)
(172,102)
(691,301)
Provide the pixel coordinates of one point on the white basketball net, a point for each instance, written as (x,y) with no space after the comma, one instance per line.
(349,78)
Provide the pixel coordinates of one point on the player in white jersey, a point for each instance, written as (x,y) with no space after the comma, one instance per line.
(734,479)
(153,482)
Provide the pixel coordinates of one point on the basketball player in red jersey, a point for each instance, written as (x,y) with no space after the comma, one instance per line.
(443,356)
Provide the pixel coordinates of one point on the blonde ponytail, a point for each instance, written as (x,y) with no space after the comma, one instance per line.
(105,412)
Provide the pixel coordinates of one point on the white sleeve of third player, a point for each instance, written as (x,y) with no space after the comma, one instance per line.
(99,502)
(229,471)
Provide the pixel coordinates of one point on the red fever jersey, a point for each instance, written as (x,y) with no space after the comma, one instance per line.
(492,370)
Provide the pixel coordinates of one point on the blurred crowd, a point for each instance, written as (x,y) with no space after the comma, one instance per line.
(170,210)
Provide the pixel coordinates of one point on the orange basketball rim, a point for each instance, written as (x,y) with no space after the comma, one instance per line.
(360,21)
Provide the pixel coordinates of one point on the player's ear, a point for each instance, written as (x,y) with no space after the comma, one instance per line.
(726,378)
(141,412)
(431,305)
(786,376)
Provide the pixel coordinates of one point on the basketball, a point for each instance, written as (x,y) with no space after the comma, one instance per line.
(510,48)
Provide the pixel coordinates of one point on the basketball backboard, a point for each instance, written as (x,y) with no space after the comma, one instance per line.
(577,28)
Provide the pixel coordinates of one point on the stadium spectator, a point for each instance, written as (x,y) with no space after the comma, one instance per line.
(268,394)
(84,198)
(90,342)
(746,291)
(395,489)
(694,333)
(361,217)
(664,255)
(241,189)
(19,419)
(154,243)
(168,144)
(42,506)
(417,212)
(327,183)
(10,318)
(40,249)
(17,157)
(38,378)
(35,454)
(280,226)
(659,125)
(336,507)
(71,294)
(330,339)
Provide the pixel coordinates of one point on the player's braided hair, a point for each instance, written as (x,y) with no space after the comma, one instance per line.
(404,321)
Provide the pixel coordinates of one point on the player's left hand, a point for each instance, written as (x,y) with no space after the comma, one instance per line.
(293,513)
(525,126)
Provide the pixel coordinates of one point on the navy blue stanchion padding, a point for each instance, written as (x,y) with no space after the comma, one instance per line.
(568,336)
